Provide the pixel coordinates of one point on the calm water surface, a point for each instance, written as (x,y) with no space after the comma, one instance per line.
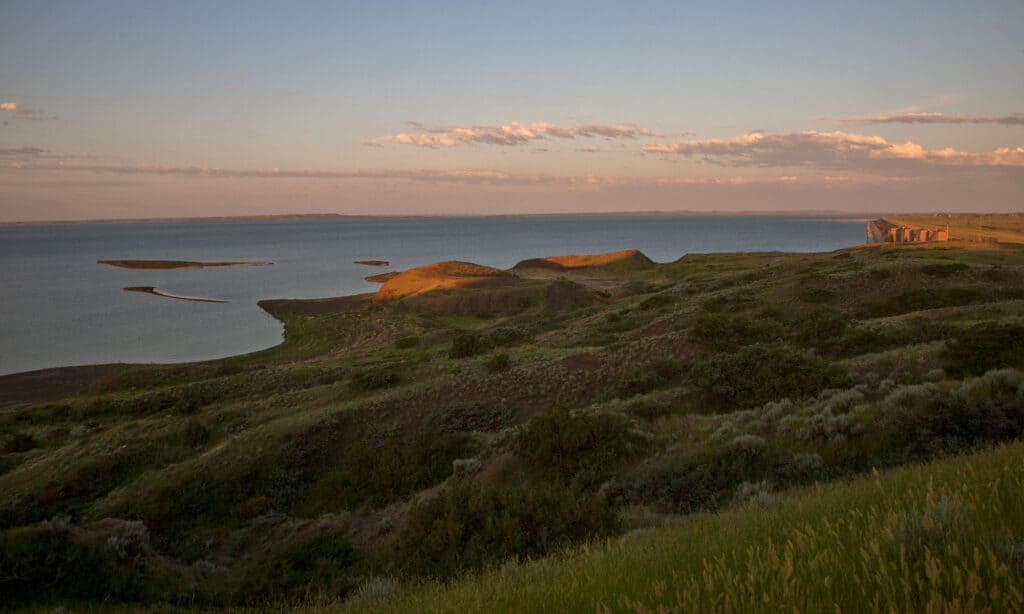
(58,307)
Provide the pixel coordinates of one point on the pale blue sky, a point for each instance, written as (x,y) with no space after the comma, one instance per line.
(252,86)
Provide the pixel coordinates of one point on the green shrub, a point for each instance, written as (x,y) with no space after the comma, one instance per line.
(377,473)
(73,488)
(821,328)
(639,287)
(831,334)
(406,343)
(19,442)
(926,298)
(578,449)
(468,345)
(509,335)
(647,377)
(657,301)
(498,363)
(620,322)
(649,409)
(471,525)
(195,434)
(921,421)
(48,561)
(706,478)
(721,332)
(374,379)
(817,295)
(739,300)
(191,399)
(483,415)
(327,565)
(984,347)
(943,269)
(759,373)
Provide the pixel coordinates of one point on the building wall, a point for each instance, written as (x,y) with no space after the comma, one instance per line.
(880,231)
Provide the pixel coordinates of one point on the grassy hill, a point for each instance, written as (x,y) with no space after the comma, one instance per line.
(943,536)
(417,439)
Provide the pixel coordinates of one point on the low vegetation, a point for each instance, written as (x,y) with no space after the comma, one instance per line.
(946,536)
(724,432)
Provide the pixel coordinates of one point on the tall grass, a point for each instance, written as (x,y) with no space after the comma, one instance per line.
(942,537)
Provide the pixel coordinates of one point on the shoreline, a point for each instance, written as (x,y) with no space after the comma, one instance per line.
(313,300)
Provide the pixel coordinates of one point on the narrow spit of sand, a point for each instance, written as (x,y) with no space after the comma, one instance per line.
(158,292)
(178,264)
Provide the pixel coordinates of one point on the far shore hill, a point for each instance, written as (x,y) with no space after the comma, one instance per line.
(342,216)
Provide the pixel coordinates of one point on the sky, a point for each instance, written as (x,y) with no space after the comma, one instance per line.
(140,109)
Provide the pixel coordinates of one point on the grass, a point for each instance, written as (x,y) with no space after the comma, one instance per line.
(944,536)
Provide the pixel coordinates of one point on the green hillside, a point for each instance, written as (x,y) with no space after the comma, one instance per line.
(388,445)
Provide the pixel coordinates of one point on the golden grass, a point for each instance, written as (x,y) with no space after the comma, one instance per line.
(941,537)
(575,262)
(436,276)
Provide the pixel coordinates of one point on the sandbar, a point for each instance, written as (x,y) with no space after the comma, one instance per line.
(177,264)
(180,297)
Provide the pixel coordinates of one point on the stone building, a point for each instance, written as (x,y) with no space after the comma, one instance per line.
(881,231)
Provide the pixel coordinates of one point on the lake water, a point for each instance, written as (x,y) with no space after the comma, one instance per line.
(58,307)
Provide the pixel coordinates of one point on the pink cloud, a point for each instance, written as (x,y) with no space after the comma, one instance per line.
(830,150)
(1013,119)
(514,133)
(19,112)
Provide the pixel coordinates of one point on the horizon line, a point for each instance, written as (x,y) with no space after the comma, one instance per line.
(653,212)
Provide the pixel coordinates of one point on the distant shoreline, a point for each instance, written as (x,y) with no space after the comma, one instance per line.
(338,216)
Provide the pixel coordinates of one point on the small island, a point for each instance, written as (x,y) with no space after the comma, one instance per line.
(372,262)
(178,264)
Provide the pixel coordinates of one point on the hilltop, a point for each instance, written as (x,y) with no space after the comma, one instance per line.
(438,276)
(470,416)
(621,260)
